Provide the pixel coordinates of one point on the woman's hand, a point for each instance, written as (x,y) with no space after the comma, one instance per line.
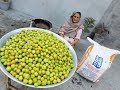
(62,35)
(74,42)
(71,43)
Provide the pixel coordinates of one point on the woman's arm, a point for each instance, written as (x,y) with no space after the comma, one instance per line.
(77,38)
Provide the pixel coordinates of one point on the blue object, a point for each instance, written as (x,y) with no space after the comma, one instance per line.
(98,61)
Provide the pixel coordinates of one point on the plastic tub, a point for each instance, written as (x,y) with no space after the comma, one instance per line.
(7,36)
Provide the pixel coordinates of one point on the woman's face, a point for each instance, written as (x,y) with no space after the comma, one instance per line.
(76,18)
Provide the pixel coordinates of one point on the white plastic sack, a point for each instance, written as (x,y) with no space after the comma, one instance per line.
(96,60)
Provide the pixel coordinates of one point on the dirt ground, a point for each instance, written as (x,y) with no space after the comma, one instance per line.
(109,81)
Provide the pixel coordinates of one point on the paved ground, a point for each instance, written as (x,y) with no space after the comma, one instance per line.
(109,81)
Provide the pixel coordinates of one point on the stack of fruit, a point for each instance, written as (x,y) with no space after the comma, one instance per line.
(36,58)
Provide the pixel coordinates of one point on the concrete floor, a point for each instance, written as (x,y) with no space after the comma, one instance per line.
(109,81)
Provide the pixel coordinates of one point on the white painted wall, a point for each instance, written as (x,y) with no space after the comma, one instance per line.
(57,11)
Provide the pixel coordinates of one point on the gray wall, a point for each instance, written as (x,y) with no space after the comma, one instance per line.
(57,11)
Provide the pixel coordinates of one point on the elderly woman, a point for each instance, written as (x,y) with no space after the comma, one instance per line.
(72,29)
